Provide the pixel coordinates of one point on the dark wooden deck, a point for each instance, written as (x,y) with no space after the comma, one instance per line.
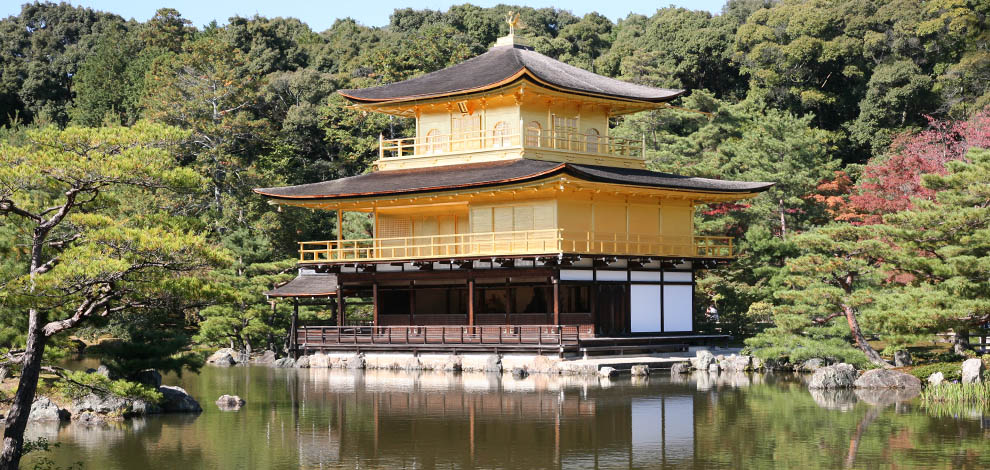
(504,338)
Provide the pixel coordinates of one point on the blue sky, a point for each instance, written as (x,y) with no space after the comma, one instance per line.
(320,14)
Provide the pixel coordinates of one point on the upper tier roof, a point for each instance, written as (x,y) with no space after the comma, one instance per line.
(473,175)
(505,64)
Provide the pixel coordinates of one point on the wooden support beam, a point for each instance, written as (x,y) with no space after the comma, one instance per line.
(471,301)
(340,308)
(294,328)
(556,300)
(374,302)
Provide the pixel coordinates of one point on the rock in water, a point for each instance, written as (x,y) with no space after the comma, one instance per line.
(230,402)
(177,400)
(354,362)
(936,379)
(972,371)
(225,357)
(679,368)
(757,364)
(703,359)
(841,375)
(109,406)
(267,357)
(43,409)
(519,373)
(607,372)
(284,363)
(811,365)
(735,363)
(302,362)
(640,370)
(319,361)
(902,358)
(887,378)
(493,363)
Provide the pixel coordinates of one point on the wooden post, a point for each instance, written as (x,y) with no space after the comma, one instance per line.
(374,303)
(556,300)
(471,301)
(340,307)
(294,347)
(340,232)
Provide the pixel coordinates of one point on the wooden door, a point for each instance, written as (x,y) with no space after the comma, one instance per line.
(611,310)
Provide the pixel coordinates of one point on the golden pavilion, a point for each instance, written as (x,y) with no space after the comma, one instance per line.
(510,220)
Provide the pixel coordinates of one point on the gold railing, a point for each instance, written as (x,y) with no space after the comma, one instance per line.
(573,142)
(520,242)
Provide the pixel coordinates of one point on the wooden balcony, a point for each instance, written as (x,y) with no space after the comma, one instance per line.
(519,138)
(525,242)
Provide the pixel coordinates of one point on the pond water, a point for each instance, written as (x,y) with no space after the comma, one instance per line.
(322,418)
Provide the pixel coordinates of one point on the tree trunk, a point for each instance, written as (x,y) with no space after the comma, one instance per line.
(960,341)
(871,354)
(783,223)
(13,436)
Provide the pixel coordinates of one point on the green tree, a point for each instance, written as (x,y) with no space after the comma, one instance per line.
(93,205)
(825,294)
(110,81)
(943,246)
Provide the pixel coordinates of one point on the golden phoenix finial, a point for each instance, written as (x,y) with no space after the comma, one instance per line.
(515,22)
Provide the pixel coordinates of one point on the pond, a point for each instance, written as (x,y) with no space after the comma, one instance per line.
(323,418)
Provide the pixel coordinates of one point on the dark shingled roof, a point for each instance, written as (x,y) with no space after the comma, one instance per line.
(307,285)
(502,65)
(473,175)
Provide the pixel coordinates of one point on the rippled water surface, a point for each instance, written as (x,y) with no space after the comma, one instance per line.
(381,419)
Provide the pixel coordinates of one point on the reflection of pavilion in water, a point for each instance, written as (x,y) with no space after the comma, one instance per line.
(471,419)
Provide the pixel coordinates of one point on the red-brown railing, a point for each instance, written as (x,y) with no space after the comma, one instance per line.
(537,335)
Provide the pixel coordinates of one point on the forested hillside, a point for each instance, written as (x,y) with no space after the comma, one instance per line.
(845,104)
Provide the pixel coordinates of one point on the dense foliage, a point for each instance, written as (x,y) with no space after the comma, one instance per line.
(849,106)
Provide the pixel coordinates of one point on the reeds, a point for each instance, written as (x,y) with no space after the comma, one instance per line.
(949,399)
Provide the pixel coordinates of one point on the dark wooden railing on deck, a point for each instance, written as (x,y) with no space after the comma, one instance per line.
(313,337)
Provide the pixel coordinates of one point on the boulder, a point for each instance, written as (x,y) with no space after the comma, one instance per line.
(702,360)
(225,357)
(149,377)
(902,358)
(302,362)
(811,365)
(266,357)
(353,362)
(77,345)
(542,365)
(177,400)
(713,368)
(781,364)
(679,368)
(887,378)
(736,363)
(607,372)
(43,409)
(284,363)
(319,361)
(936,379)
(972,371)
(841,375)
(519,373)
(756,364)
(230,402)
(640,370)
(493,363)
(104,406)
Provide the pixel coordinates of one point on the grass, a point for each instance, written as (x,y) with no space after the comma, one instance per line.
(949,399)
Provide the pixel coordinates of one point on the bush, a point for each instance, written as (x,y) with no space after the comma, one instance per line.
(78,384)
(951,371)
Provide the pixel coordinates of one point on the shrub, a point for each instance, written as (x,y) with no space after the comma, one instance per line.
(77,384)
(951,371)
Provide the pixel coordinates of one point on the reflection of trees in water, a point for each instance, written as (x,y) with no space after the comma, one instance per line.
(331,418)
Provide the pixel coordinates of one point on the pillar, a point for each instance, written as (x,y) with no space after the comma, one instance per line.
(374,303)
(294,347)
(556,299)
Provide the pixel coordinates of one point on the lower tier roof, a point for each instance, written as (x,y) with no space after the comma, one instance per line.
(473,175)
